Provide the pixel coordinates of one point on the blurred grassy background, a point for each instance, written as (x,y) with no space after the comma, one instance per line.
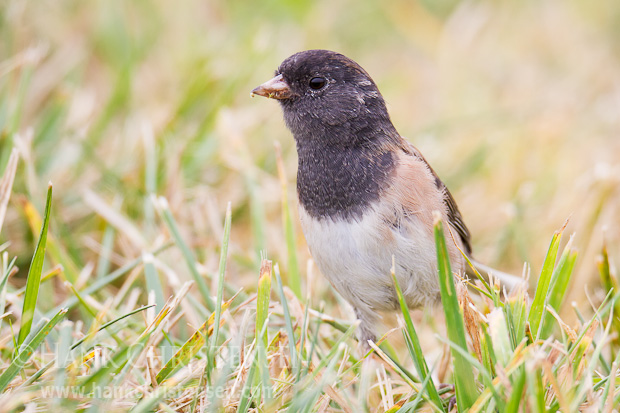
(516,104)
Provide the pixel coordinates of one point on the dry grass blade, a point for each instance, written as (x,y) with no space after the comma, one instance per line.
(154,329)
(471,319)
(114,218)
(6,184)
(191,347)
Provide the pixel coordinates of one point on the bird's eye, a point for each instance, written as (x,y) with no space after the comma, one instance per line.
(317,83)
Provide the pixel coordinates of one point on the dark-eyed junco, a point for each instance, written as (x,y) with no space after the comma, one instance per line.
(365,194)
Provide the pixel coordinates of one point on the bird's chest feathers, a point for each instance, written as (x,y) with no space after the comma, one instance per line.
(356,256)
(341,182)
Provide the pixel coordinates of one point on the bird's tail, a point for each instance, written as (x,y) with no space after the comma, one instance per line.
(509,281)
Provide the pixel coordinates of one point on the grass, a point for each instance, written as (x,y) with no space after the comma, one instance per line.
(168,271)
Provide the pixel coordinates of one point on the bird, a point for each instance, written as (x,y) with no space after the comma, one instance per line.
(367,197)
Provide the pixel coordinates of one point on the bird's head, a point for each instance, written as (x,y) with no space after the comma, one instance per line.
(328,97)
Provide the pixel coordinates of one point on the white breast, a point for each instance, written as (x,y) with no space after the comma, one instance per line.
(356,257)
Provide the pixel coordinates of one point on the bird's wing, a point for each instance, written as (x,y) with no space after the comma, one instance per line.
(456,222)
(454,215)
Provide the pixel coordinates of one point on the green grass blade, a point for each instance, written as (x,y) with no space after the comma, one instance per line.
(221,274)
(304,401)
(233,365)
(557,291)
(486,375)
(245,399)
(294,277)
(609,283)
(152,281)
(140,344)
(516,306)
(34,274)
(261,330)
(150,173)
(289,324)
(190,260)
(63,354)
(257,214)
(610,385)
(302,340)
(81,300)
(416,350)
(108,324)
(465,384)
(516,397)
(410,407)
(56,249)
(102,282)
(262,300)
(23,85)
(37,375)
(486,347)
(542,289)
(536,390)
(406,375)
(606,305)
(332,352)
(210,362)
(583,385)
(107,242)
(263,364)
(27,349)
